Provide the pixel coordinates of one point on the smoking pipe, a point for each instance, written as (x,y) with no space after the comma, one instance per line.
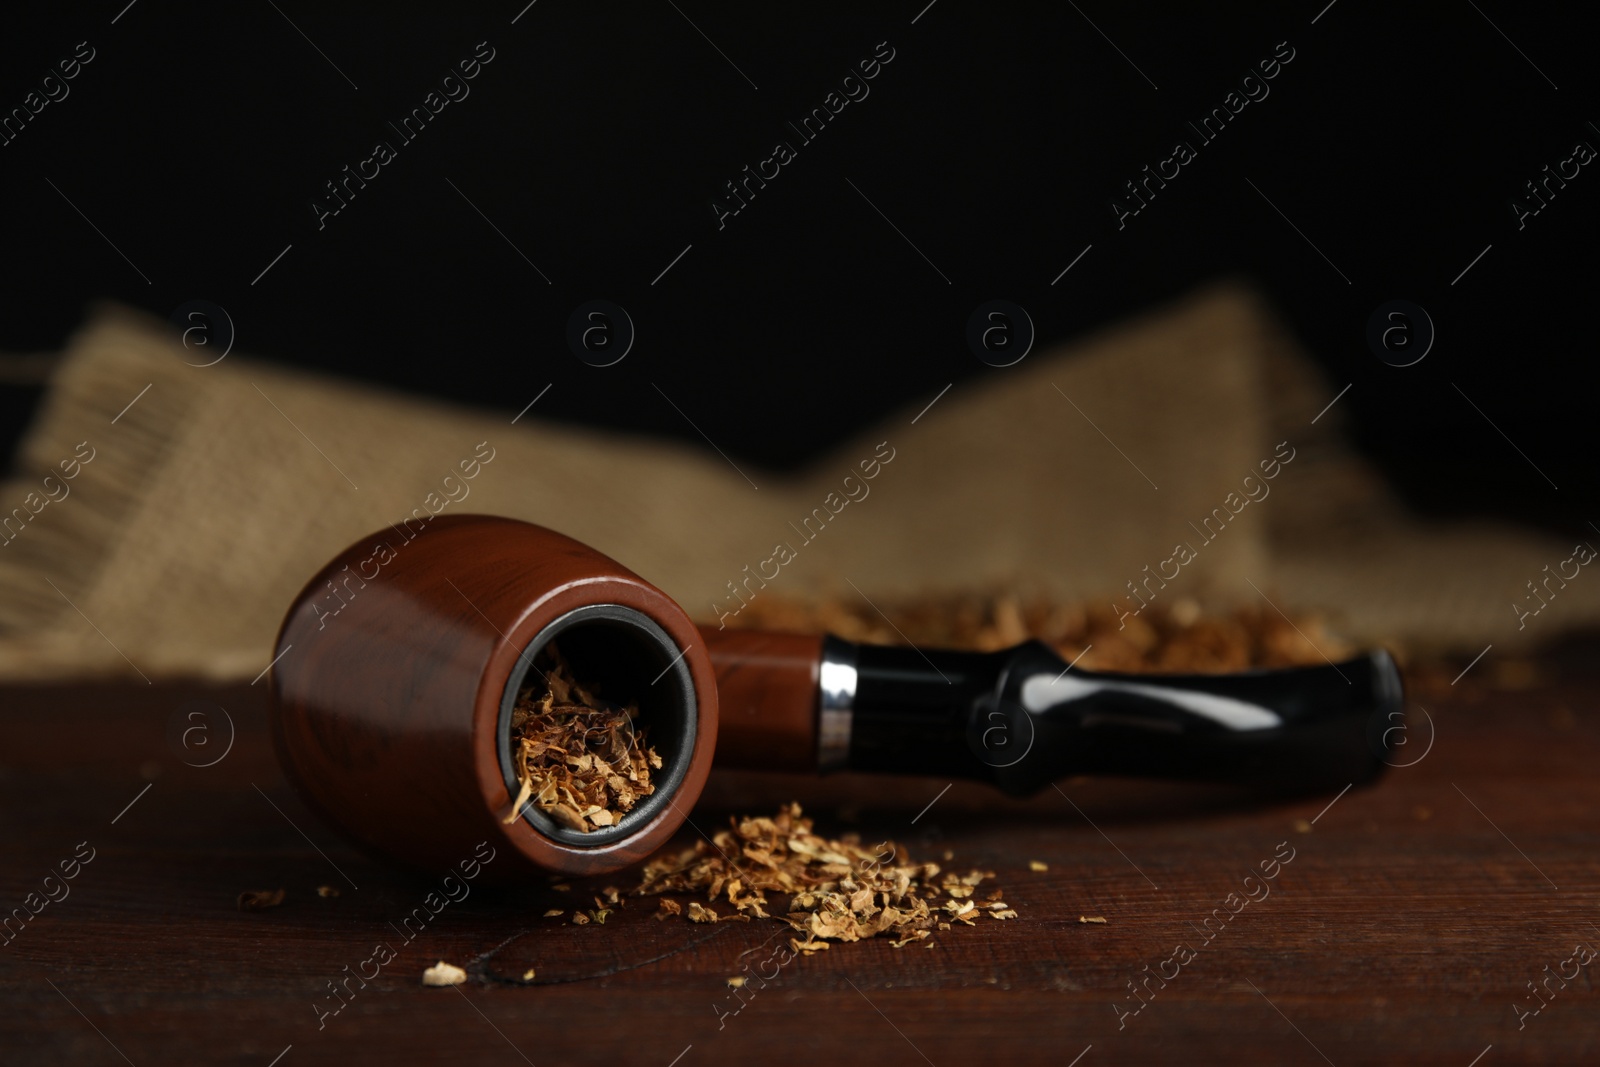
(398,665)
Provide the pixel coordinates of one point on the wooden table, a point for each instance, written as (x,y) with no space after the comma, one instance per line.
(1408,924)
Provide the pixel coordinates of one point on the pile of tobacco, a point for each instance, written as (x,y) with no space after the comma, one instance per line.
(579,758)
(1178,636)
(832,890)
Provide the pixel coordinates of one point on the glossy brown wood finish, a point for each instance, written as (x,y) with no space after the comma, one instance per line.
(767,689)
(392,665)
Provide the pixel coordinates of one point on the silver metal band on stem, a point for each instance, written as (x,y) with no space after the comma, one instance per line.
(836,688)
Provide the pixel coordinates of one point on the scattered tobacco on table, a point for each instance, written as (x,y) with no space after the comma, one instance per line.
(836,890)
(579,758)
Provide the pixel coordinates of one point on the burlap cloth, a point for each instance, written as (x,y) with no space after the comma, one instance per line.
(212,499)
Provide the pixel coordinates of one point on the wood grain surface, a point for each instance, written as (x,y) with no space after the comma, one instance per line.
(1405,929)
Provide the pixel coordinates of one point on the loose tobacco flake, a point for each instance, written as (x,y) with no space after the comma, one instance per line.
(443,974)
(579,758)
(260,899)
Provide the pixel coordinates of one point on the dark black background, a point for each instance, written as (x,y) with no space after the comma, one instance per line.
(995,141)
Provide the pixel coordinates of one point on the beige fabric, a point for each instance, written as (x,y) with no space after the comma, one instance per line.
(207,505)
